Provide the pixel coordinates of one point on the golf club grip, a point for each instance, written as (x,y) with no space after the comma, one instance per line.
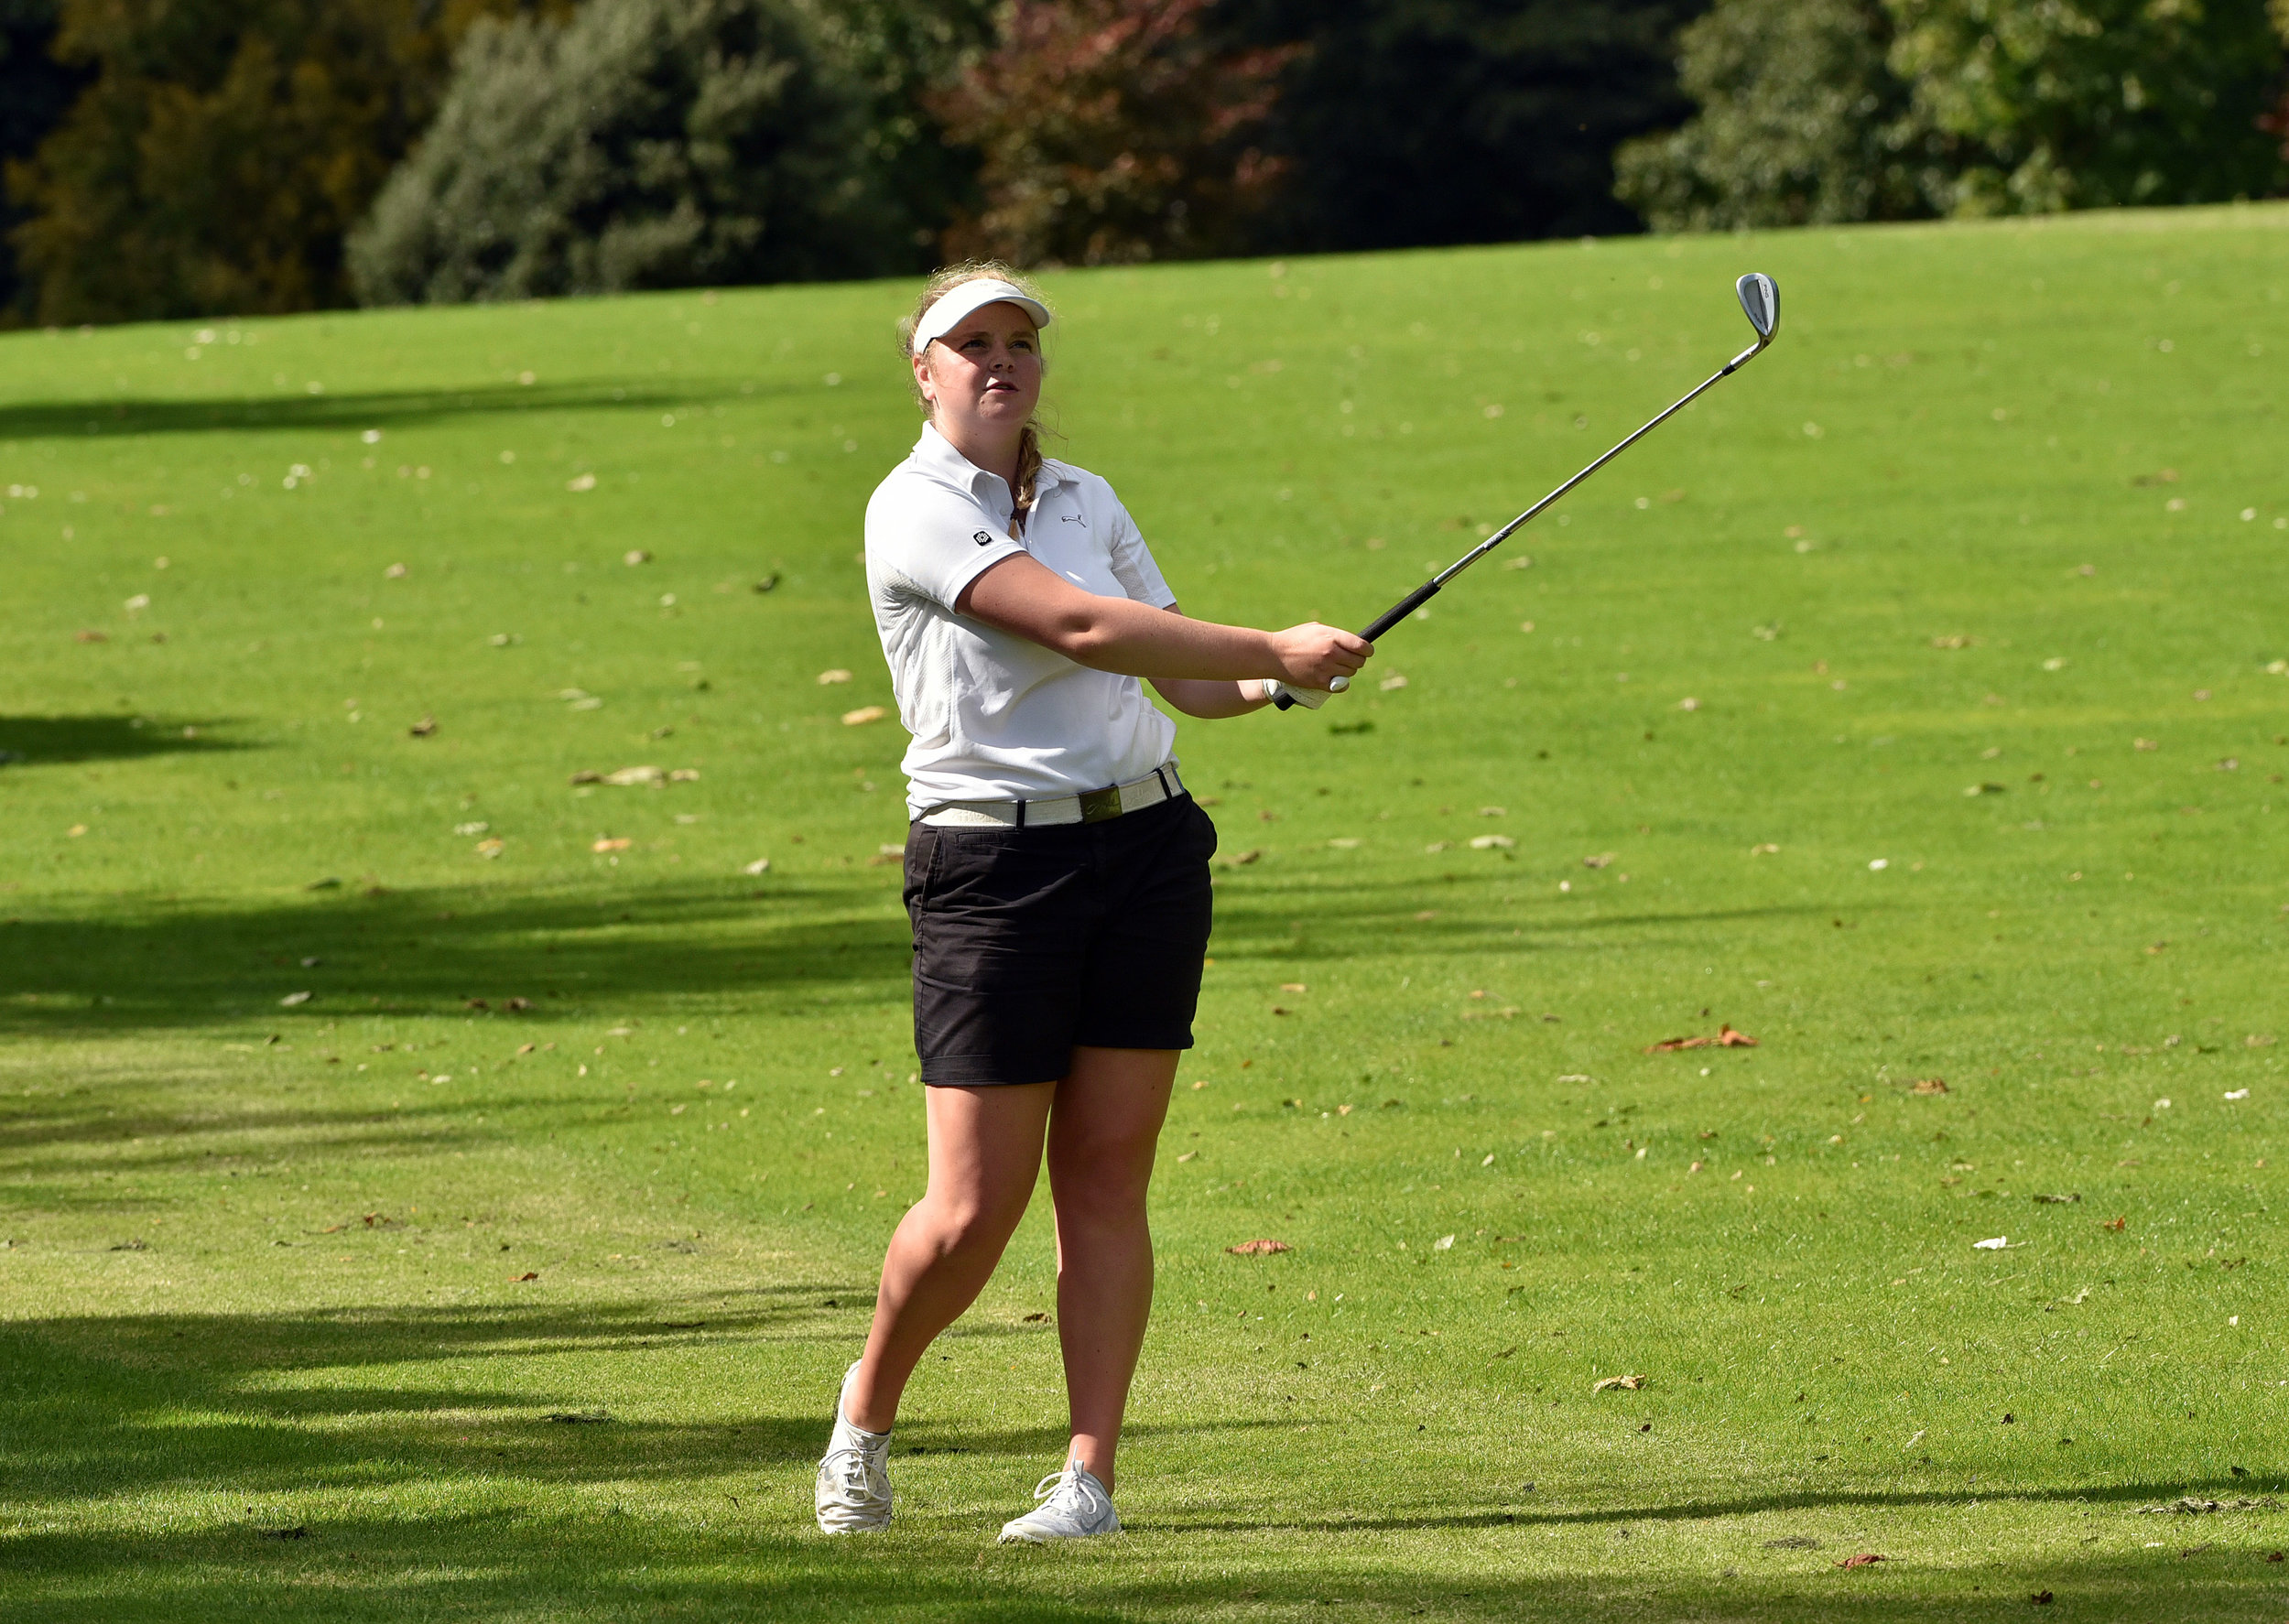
(1400,610)
(1384,622)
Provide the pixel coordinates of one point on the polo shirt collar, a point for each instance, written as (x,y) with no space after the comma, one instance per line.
(934,455)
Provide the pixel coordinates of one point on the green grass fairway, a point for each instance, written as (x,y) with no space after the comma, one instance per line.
(433,1189)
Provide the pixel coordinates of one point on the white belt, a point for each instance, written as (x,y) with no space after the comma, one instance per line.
(1094,806)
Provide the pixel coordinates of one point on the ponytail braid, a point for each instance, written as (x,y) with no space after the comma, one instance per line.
(1029,475)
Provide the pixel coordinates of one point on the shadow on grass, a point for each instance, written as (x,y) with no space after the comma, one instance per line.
(36,740)
(508,958)
(525,957)
(48,419)
(96,1407)
(397,1462)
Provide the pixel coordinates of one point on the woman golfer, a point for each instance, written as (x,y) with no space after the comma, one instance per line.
(1056,873)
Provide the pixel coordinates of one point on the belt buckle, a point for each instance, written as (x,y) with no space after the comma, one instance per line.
(1098,805)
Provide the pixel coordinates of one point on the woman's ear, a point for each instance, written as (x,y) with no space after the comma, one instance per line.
(923,381)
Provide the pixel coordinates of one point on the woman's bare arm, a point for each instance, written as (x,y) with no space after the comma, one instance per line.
(1207,697)
(1021,596)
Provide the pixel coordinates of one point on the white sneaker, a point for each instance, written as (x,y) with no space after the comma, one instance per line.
(1074,1505)
(853,1495)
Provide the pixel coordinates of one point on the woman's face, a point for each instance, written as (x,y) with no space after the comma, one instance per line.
(985,375)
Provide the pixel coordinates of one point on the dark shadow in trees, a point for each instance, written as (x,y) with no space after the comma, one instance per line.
(36,740)
(52,419)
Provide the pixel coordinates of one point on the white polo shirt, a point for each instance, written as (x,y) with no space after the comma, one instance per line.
(994,717)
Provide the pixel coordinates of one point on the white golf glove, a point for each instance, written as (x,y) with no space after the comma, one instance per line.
(1270,689)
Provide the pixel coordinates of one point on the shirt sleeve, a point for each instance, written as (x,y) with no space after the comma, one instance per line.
(931,542)
(1133,563)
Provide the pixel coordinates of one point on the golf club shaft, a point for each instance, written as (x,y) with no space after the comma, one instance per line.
(1430,589)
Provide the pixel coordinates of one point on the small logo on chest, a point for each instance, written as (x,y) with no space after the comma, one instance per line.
(983,538)
(1073,519)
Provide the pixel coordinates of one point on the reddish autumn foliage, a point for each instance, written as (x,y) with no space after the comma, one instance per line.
(1257,1248)
(1111,131)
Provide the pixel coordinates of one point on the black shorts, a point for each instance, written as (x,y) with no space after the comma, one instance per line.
(1030,941)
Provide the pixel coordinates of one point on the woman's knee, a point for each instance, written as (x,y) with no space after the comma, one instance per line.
(969,1224)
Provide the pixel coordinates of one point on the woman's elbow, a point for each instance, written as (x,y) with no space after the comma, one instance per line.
(1085,640)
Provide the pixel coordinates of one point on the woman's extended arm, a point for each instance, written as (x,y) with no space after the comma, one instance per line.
(1019,595)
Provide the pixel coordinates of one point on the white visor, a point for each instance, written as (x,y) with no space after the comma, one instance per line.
(966,299)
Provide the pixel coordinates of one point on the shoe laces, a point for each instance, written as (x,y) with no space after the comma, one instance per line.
(1063,1485)
(849,1466)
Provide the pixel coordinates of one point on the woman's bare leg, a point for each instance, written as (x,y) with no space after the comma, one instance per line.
(1103,1132)
(985,1155)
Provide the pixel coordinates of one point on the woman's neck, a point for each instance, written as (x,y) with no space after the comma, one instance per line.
(994,449)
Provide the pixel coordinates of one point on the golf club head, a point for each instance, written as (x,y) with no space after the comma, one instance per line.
(1760,299)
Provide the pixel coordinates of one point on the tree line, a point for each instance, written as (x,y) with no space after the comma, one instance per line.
(192,157)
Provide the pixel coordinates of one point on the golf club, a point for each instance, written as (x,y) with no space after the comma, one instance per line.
(1760,298)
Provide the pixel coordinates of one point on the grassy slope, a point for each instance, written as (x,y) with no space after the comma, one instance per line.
(1948,444)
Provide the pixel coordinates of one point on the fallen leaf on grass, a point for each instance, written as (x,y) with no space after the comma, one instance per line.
(634,556)
(1443,1243)
(528,1274)
(862,715)
(629,778)
(1928,1086)
(762,865)
(1258,1249)
(1034,1319)
(424,727)
(1622,1383)
(492,848)
(292,999)
(1492,843)
(1598,861)
(1993,1243)
(1863,1559)
(2116,1225)
(1240,860)
(595,1417)
(2056,1200)
(608,843)
(581,482)
(828,678)
(1726,1038)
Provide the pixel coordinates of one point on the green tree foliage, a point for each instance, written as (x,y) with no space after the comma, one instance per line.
(36,90)
(1801,123)
(903,52)
(1111,131)
(2085,104)
(1817,110)
(645,144)
(1460,121)
(221,149)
